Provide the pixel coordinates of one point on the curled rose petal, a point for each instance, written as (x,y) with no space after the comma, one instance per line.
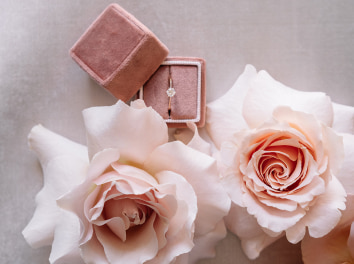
(253,237)
(191,138)
(224,115)
(213,202)
(107,127)
(65,247)
(62,169)
(265,94)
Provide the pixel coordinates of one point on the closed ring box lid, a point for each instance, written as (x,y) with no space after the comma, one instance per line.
(119,52)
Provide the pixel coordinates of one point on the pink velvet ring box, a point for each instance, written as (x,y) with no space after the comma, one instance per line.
(119,52)
(123,56)
(187,104)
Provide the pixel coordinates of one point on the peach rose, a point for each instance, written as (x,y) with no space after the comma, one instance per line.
(279,156)
(136,199)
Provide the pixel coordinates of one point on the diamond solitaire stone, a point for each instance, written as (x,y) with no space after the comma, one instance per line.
(171,92)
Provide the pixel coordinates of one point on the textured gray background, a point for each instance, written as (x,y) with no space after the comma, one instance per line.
(308,45)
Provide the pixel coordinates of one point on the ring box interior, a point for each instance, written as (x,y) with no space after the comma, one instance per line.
(123,55)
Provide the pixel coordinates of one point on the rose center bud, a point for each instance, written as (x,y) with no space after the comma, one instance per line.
(130,210)
(279,167)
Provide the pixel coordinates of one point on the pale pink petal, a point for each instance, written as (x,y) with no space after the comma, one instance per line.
(307,193)
(184,192)
(271,218)
(60,175)
(323,215)
(343,118)
(233,184)
(49,145)
(334,147)
(138,104)
(65,247)
(92,252)
(305,123)
(224,115)
(101,161)
(265,94)
(201,172)
(181,225)
(135,174)
(205,244)
(140,245)
(134,131)
(346,172)
(191,138)
(75,199)
(348,214)
(245,226)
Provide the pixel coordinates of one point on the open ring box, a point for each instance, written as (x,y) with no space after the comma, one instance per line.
(127,59)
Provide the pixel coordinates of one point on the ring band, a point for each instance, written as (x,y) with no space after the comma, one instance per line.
(170,93)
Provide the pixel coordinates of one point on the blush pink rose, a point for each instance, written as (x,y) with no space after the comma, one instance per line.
(129,197)
(280,153)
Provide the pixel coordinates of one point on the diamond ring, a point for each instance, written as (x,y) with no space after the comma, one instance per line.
(170,93)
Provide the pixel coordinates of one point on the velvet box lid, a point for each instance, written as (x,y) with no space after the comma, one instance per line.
(119,52)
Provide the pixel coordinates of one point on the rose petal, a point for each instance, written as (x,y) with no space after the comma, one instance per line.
(205,244)
(269,217)
(134,131)
(232,184)
(135,174)
(224,115)
(306,124)
(201,172)
(49,145)
(323,215)
(346,172)
(245,226)
(343,118)
(60,175)
(191,138)
(141,245)
(334,147)
(197,168)
(265,94)
(181,226)
(65,247)
(78,194)
(92,252)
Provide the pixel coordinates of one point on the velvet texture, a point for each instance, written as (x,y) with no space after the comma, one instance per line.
(119,52)
(184,105)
